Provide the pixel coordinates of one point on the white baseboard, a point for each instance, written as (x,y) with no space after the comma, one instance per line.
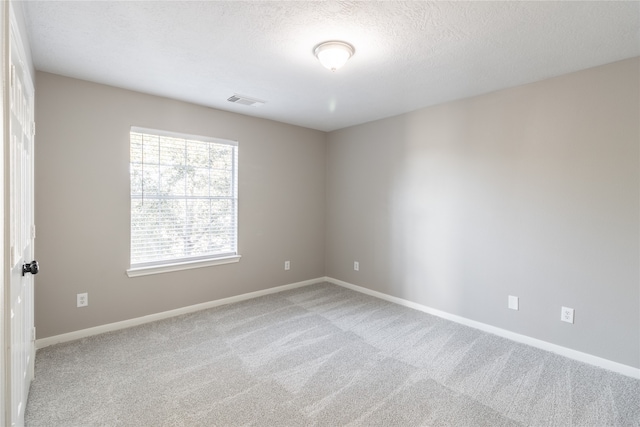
(629,371)
(544,345)
(83,333)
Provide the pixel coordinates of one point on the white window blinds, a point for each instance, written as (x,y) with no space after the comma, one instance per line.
(184,198)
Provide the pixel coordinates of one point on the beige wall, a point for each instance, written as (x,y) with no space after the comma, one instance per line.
(82,204)
(531,191)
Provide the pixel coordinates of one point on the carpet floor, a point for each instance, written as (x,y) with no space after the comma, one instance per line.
(320,355)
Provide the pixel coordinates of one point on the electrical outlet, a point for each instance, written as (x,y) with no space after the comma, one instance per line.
(287,265)
(566,315)
(513,302)
(82,300)
(356,265)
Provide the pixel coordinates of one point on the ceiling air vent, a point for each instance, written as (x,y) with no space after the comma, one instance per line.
(245,100)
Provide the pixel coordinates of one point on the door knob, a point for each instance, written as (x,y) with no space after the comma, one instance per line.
(31,267)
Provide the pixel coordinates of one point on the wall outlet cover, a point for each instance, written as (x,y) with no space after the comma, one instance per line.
(513,302)
(82,300)
(566,315)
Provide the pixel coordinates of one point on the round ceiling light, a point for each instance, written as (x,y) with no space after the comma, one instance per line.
(334,54)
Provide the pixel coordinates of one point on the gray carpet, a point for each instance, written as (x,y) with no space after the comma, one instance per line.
(319,355)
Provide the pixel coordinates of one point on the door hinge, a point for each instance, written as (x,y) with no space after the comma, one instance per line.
(33,231)
(33,333)
(33,128)
(12,75)
(12,256)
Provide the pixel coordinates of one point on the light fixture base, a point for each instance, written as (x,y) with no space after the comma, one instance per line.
(334,54)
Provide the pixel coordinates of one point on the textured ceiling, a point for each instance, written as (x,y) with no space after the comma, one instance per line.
(408,54)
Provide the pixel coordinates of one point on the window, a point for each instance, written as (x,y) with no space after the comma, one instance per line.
(184,201)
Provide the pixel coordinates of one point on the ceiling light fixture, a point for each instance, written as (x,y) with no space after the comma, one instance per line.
(334,54)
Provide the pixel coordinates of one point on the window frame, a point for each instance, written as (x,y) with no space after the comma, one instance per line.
(178,264)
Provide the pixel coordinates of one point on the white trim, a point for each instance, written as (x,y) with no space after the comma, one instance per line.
(544,345)
(188,265)
(180,135)
(629,371)
(5,330)
(83,333)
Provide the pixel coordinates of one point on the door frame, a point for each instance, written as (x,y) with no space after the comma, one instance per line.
(5,417)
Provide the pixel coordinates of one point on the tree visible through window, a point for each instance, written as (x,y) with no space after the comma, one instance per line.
(184,198)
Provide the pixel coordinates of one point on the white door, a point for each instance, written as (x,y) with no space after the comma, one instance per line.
(19,136)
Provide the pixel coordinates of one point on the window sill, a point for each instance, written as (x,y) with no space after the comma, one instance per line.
(168,268)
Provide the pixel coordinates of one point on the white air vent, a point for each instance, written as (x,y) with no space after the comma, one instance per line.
(245,100)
